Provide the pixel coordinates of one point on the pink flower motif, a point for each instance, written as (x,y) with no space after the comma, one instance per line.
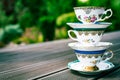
(92,20)
(85,17)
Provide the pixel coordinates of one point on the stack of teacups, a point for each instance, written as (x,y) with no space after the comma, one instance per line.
(88,33)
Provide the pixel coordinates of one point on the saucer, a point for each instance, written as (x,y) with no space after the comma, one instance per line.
(98,46)
(96,26)
(103,66)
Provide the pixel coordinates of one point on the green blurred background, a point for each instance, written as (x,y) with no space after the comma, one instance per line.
(35,21)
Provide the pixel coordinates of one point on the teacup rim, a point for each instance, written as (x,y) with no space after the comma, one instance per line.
(99,44)
(89,7)
(74,45)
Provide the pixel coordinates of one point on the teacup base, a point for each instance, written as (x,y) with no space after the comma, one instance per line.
(90,68)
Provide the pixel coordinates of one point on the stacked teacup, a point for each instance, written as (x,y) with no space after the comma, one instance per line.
(88,33)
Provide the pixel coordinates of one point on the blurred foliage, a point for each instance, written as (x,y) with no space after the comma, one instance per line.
(9,33)
(26,20)
(30,35)
(66,17)
(51,10)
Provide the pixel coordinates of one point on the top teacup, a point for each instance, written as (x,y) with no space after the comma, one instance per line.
(91,14)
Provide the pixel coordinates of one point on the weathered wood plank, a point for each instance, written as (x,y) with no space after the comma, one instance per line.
(65,75)
(112,76)
(36,54)
(36,69)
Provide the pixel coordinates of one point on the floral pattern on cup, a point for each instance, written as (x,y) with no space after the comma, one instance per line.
(89,40)
(90,18)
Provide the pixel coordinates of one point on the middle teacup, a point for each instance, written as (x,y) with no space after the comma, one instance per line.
(84,37)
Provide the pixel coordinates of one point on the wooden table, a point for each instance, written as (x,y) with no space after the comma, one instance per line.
(48,61)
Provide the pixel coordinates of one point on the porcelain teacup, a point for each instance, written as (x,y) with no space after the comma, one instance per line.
(89,56)
(86,37)
(92,14)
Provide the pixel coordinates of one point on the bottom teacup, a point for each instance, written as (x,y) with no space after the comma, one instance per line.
(89,56)
(89,59)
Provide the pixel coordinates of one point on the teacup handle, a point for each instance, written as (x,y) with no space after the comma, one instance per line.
(109,52)
(106,17)
(76,34)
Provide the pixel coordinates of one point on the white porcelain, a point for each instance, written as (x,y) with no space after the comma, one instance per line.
(91,14)
(91,55)
(99,25)
(102,67)
(91,58)
(99,46)
(86,37)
